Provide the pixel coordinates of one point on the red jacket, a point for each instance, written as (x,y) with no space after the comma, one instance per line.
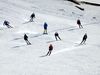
(50,47)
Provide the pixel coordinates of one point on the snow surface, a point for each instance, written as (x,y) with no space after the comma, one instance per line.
(67,58)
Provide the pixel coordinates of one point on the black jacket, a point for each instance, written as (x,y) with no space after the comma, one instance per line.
(25,37)
(85,37)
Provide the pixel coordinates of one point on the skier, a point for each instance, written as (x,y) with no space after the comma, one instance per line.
(84,39)
(79,23)
(31,17)
(45,28)
(26,39)
(6,23)
(50,50)
(57,36)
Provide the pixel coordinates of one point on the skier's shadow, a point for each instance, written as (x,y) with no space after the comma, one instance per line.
(65,28)
(71,29)
(51,41)
(37,35)
(28,22)
(79,44)
(17,38)
(19,46)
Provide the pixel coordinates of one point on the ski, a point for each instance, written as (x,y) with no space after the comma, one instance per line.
(43,55)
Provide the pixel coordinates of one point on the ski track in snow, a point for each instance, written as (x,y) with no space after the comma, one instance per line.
(67,49)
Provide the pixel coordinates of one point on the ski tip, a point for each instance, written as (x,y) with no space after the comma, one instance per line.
(43,56)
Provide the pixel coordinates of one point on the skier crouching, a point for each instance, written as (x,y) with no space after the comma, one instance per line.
(6,23)
(57,36)
(26,39)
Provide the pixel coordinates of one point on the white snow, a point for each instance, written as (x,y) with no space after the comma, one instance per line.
(67,58)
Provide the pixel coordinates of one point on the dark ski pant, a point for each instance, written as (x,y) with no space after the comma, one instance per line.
(83,42)
(28,43)
(80,26)
(31,19)
(9,26)
(49,53)
(57,37)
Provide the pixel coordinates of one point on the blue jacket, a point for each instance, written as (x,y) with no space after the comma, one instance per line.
(45,25)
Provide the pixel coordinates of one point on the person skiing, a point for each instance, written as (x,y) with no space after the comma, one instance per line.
(84,39)
(50,50)
(26,39)
(79,23)
(31,17)
(6,23)
(57,36)
(45,28)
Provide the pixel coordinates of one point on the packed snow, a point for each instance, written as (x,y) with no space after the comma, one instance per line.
(67,57)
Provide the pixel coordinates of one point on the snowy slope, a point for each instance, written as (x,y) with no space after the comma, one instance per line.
(67,58)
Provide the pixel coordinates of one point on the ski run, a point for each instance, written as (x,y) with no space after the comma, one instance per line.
(43,37)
